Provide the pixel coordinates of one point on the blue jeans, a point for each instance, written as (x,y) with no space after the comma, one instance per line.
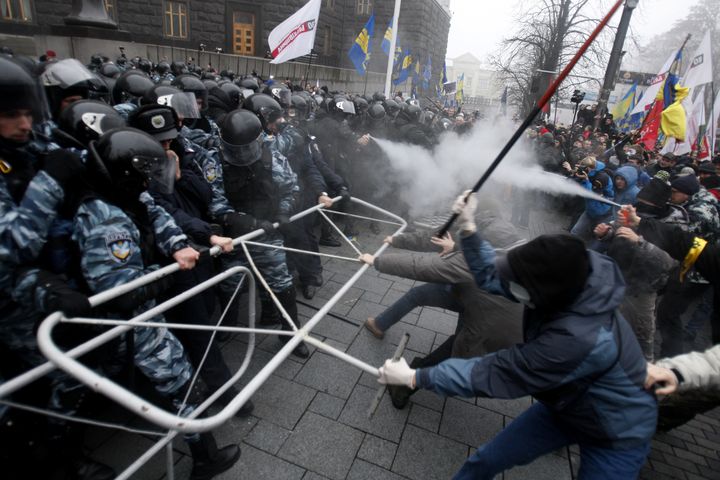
(535,433)
(428,295)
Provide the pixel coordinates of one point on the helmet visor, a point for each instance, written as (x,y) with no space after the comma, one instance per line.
(159,171)
(345,106)
(183,103)
(242,155)
(65,73)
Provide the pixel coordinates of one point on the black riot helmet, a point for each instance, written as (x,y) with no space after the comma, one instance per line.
(282,94)
(70,78)
(130,86)
(234,93)
(361,105)
(191,83)
(376,112)
(162,68)
(19,90)
(96,59)
(145,65)
(341,106)
(229,74)
(160,121)
(210,84)
(110,70)
(131,160)
(427,118)
(412,113)
(265,107)
(299,109)
(178,68)
(249,83)
(87,120)
(183,103)
(241,138)
(378,97)
(391,108)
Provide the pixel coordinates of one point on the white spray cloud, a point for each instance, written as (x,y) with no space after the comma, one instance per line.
(430,180)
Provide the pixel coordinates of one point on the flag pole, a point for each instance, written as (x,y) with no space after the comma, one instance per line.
(393,44)
(534,112)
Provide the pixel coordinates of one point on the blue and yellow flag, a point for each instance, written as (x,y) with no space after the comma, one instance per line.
(360,51)
(460,85)
(427,74)
(672,80)
(625,106)
(397,61)
(406,67)
(387,40)
(673,122)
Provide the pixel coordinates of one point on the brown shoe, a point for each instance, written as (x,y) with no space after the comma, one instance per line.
(370,325)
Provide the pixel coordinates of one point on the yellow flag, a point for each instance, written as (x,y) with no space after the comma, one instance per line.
(674,121)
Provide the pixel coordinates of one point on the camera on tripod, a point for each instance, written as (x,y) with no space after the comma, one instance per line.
(577,96)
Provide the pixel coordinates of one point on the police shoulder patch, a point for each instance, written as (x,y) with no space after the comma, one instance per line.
(119,245)
(210,172)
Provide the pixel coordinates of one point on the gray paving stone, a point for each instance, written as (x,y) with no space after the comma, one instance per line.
(182,468)
(469,424)
(336,329)
(313,476)
(124,448)
(335,344)
(271,345)
(428,399)
(364,309)
(362,470)
(368,380)
(327,405)
(421,340)
(255,464)
(282,402)
(267,436)
(373,284)
(424,418)
(378,451)
(511,408)
(437,321)
(547,467)
(232,431)
(372,297)
(423,455)
(401,286)
(323,446)
(387,422)
(329,374)
(391,296)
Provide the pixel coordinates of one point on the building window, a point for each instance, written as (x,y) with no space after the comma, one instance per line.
(176,19)
(363,7)
(110,9)
(327,40)
(16,10)
(330,4)
(243,32)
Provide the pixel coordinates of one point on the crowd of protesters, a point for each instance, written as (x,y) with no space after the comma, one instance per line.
(112,169)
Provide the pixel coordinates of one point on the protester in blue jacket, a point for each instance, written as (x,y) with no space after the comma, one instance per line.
(626,187)
(580,360)
(591,175)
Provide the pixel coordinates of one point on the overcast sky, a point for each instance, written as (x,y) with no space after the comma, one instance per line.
(478,27)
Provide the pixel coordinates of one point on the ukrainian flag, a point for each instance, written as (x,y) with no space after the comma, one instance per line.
(460,86)
(405,68)
(360,51)
(387,40)
(427,74)
(625,106)
(674,121)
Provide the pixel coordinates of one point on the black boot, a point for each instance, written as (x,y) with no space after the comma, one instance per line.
(208,461)
(287,300)
(269,314)
(227,397)
(327,239)
(400,394)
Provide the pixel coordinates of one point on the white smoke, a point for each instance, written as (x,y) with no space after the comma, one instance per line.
(430,180)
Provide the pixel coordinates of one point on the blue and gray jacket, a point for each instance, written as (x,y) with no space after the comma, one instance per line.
(584,362)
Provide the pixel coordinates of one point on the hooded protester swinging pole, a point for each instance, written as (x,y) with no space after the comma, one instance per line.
(534,112)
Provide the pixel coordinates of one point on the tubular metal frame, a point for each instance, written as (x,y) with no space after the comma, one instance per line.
(175,424)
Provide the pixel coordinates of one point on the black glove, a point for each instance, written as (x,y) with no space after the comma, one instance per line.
(64,166)
(60,296)
(284,224)
(237,224)
(345,194)
(266,225)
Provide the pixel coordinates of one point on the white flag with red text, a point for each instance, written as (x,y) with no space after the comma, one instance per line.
(295,36)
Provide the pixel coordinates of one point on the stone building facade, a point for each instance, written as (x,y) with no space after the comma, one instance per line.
(236,26)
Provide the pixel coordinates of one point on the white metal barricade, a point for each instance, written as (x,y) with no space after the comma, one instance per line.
(67,361)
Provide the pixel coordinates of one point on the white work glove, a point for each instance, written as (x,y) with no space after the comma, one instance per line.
(466,220)
(397,373)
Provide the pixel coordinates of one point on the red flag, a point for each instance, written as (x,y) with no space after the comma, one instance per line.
(649,131)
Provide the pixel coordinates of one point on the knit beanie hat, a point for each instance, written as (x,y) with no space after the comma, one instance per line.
(656,192)
(552,268)
(687,184)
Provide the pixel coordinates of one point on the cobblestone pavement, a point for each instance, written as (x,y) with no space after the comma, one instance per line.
(310,419)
